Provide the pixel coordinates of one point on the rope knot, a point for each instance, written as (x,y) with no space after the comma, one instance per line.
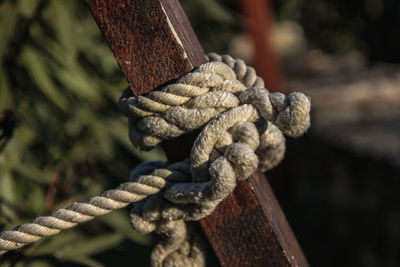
(293,112)
(242,126)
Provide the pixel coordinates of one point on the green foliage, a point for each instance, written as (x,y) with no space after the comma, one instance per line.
(62,82)
(215,22)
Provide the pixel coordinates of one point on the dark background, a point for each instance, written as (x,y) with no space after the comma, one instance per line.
(63,138)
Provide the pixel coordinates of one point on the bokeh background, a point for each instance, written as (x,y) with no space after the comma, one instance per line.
(63,138)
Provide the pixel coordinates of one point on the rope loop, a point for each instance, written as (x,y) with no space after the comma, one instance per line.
(241,125)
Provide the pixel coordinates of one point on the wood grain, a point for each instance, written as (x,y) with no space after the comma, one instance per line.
(250,229)
(154,43)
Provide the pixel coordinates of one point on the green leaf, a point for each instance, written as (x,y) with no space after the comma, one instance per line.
(216,11)
(8,21)
(89,246)
(5,90)
(64,27)
(35,263)
(119,220)
(36,198)
(7,198)
(86,261)
(49,246)
(75,80)
(27,7)
(41,76)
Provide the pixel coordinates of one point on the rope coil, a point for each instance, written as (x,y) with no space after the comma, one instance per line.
(242,128)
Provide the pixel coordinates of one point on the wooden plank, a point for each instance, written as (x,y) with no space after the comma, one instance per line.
(152,41)
(249,227)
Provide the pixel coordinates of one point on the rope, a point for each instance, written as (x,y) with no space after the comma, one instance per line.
(242,128)
(76,213)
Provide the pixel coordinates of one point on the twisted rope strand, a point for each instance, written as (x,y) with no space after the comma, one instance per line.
(201,95)
(243,126)
(76,213)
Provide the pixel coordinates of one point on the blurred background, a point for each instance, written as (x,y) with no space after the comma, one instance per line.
(62,137)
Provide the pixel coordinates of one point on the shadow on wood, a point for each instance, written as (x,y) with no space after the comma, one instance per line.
(153,42)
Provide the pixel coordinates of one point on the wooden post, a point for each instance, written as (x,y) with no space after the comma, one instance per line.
(153,43)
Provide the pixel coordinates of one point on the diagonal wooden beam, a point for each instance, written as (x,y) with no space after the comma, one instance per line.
(154,43)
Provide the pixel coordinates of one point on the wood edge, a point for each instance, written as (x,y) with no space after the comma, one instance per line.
(267,199)
(184,32)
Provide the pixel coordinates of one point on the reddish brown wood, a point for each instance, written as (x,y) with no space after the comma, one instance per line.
(259,24)
(249,227)
(152,41)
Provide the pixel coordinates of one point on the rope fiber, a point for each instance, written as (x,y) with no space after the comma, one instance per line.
(242,127)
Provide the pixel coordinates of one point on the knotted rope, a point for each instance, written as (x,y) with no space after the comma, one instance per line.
(242,126)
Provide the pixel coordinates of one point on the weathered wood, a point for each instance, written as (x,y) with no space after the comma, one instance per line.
(152,41)
(249,227)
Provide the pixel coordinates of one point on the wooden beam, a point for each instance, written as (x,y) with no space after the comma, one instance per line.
(152,40)
(250,229)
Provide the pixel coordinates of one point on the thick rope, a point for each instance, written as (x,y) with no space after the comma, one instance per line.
(199,96)
(243,129)
(81,212)
(243,126)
